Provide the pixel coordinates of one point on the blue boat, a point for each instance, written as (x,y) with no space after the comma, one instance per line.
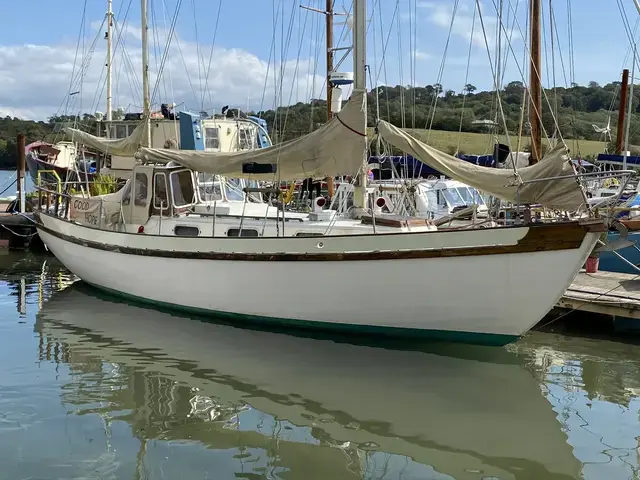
(609,261)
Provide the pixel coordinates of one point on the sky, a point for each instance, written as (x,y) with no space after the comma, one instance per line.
(271,52)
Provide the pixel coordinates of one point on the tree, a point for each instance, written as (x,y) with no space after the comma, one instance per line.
(469,89)
(593,84)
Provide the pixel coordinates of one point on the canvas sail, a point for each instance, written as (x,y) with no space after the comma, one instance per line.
(336,148)
(563,194)
(122,147)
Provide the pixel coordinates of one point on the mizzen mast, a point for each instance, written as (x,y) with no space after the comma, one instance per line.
(535,83)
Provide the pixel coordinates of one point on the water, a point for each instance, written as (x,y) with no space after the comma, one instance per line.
(96,389)
(8,186)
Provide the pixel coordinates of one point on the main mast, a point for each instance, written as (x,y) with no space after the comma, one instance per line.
(109,30)
(145,70)
(360,86)
(535,87)
(329,40)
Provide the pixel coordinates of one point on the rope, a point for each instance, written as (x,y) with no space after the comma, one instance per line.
(584,303)
(9,186)
(598,296)
(18,234)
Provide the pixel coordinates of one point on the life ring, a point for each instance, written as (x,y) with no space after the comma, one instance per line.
(611,182)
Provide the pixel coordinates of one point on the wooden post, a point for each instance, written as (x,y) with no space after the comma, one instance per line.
(329,39)
(535,84)
(621,110)
(21,170)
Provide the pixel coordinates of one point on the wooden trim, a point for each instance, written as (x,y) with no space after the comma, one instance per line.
(542,237)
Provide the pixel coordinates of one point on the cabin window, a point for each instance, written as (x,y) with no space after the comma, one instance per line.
(131,128)
(309,234)
(245,139)
(233,189)
(186,231)
(211,138)
(209,187)
(182,188)
(432,199)
(121,131)
(246,232)
(140,192)
(160,192)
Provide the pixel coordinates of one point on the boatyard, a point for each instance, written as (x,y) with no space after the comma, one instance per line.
(280,243)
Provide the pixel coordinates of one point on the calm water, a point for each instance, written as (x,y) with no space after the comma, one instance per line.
(6,179)
(96,389)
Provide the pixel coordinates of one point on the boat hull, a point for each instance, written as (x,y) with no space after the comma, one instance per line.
(35,165)
(610,262)
(470,294)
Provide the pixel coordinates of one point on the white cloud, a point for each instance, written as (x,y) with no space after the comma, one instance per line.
(440,14)
(35,79)
(421,55)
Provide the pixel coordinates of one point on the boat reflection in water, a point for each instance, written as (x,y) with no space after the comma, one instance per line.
(302,408)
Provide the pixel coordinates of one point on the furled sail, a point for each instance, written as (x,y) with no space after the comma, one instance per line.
(122,147)
(336,148)
(565,194)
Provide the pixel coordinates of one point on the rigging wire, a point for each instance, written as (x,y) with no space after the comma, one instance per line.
(383,63)
(544,93)
(213,43)
(466,75)
(174,34)
(198,54)
(295,72)
(170,36)
(432,111)
(484,34)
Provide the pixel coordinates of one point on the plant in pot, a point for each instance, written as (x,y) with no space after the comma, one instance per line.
(593,261)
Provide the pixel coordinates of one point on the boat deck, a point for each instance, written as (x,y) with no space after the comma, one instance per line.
(608,293)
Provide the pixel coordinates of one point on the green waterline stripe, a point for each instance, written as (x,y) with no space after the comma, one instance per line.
(475,338)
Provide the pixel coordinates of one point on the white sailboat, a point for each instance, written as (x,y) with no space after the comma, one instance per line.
(367,273)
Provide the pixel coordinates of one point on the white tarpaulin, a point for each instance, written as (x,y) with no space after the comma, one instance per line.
(121,147)
(85,210)
(563,194)
(103,211)
(336,148)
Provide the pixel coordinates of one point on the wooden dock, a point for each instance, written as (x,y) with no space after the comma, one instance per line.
(18,231)
(607,293)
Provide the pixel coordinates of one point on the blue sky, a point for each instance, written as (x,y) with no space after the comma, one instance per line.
(36,63)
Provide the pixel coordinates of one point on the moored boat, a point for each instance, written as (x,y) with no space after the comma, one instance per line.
(366,272)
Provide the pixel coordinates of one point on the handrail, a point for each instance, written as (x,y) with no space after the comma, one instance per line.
(610,173)
(625,174)
(54,173)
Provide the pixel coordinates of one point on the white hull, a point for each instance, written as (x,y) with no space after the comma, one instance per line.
(477,298)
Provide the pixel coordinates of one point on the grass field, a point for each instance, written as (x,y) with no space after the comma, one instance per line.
(480,143)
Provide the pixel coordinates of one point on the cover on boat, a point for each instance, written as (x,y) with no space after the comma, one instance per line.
(563,194)
(122,147)
(336,148)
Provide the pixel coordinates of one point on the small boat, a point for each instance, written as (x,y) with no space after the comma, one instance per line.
(43,158)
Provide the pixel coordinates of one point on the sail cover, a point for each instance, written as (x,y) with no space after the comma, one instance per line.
(122,147)
(336,148)
(565,194)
